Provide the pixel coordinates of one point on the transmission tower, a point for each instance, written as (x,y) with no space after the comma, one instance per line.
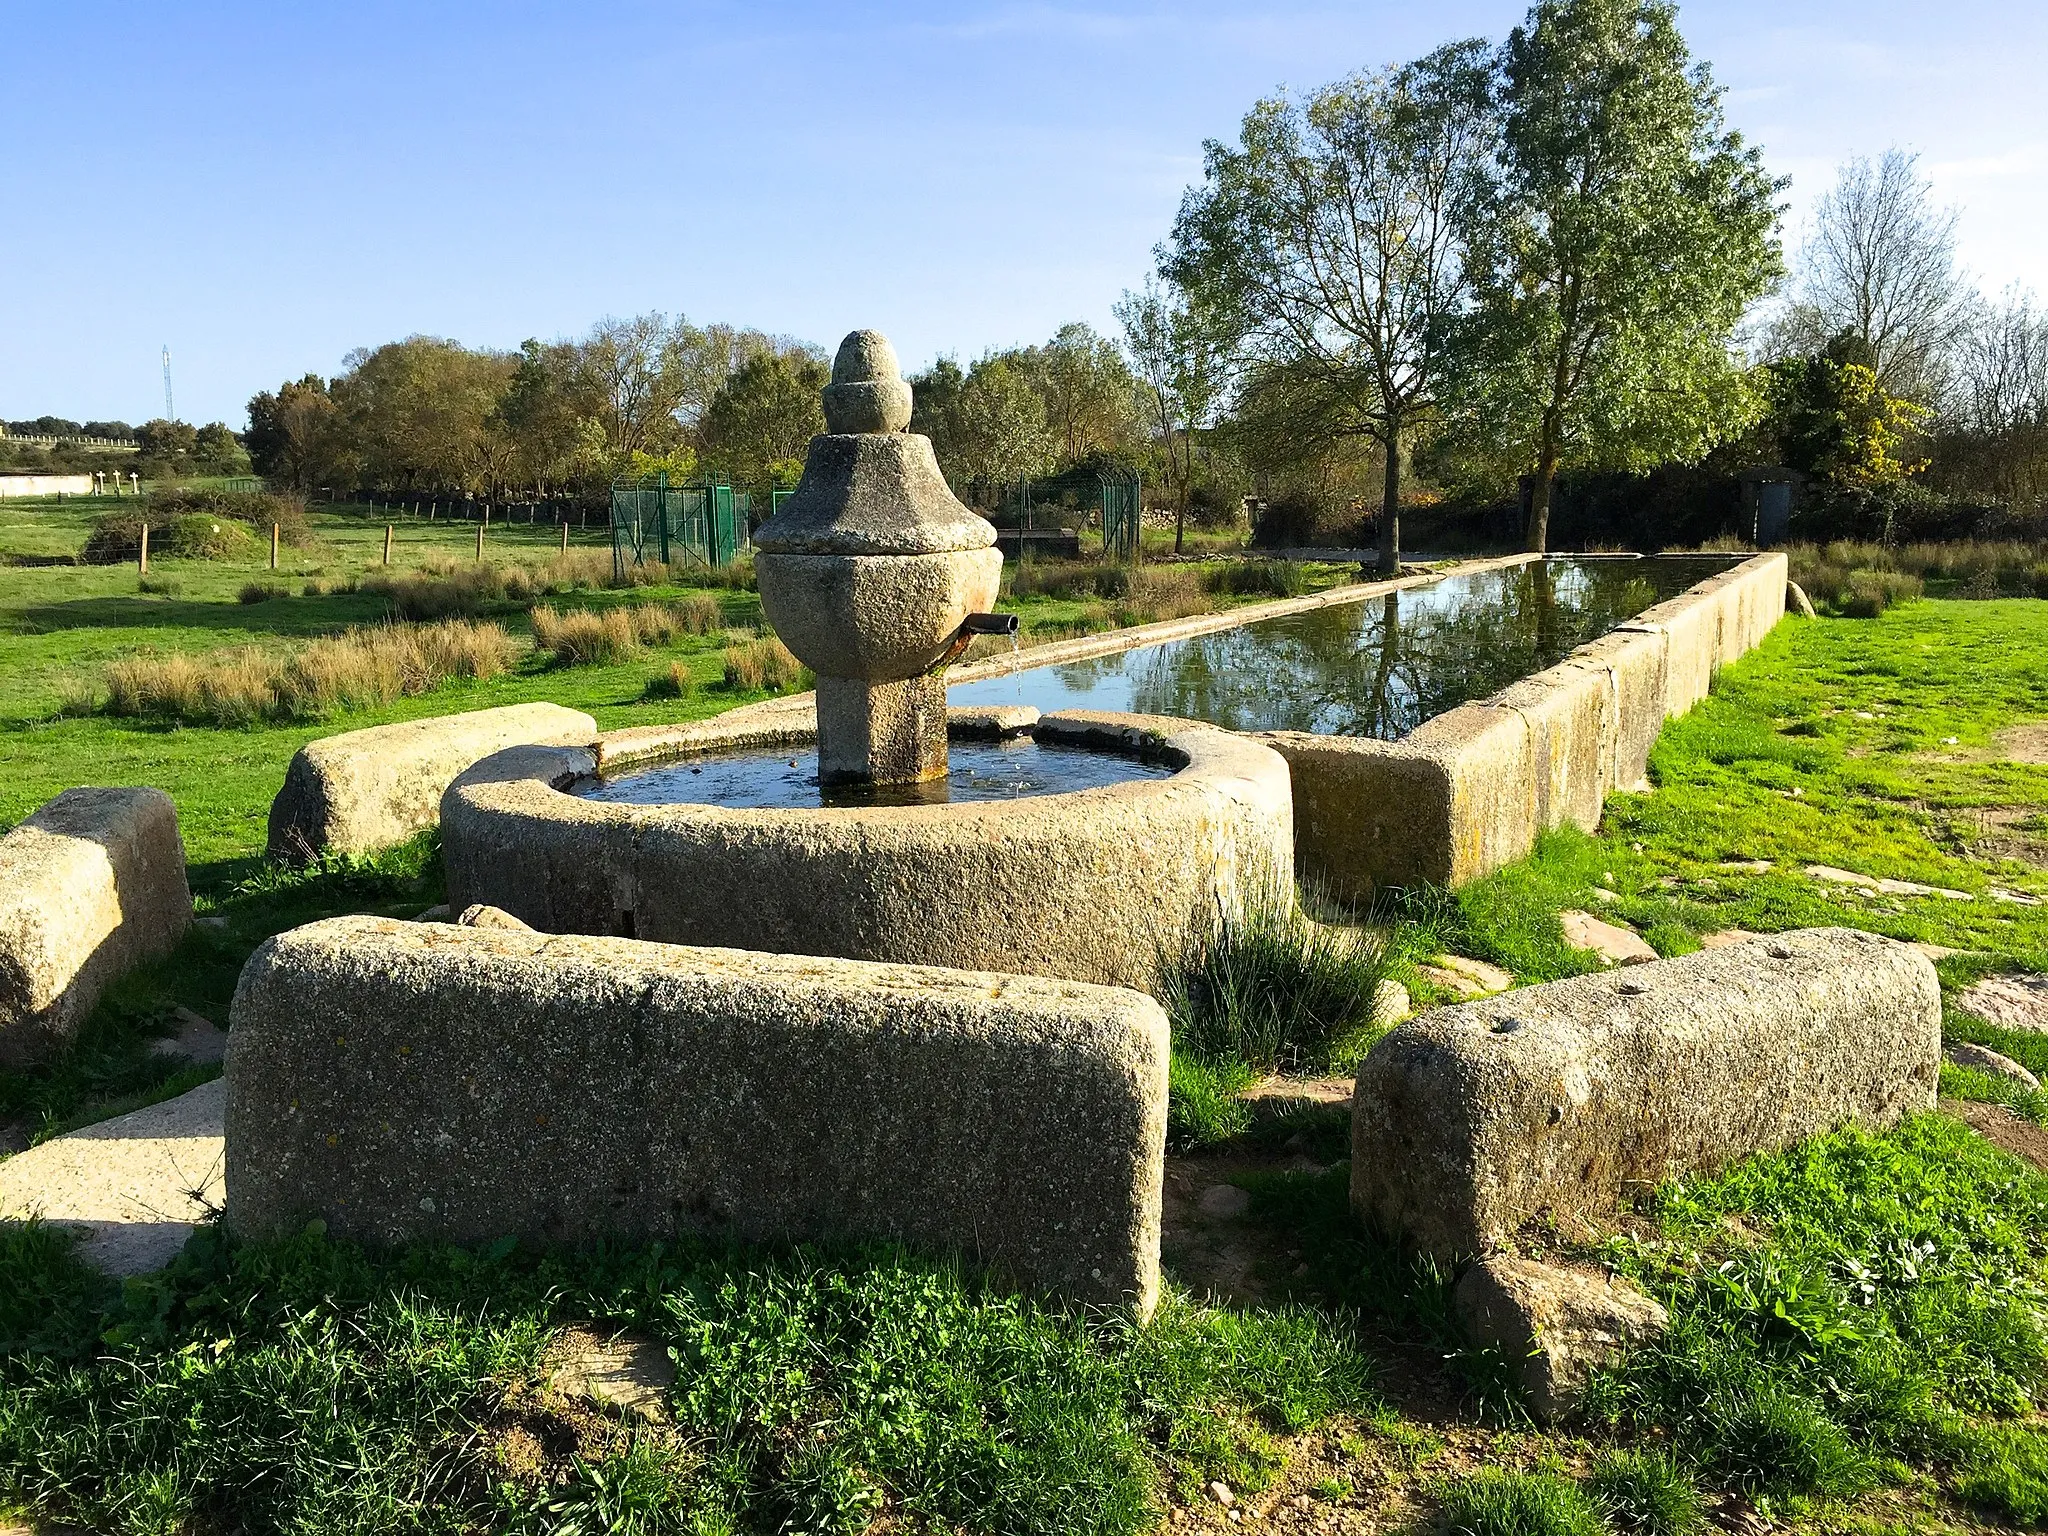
(170,411)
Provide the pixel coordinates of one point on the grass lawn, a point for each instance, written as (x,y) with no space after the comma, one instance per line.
(1858,1340)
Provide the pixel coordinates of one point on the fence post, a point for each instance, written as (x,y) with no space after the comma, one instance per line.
(387,543)
(565,538)
(273,546)
(142,560)
(479,541)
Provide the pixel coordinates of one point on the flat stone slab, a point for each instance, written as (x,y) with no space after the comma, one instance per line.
(1612,942)
(1566,1099)
(136,1185)
(615,1369)
(91,886)
(1556,1325)
(365,790)
(1829,875)
(414,1081)
(2011,1002)
(1467,978)
(199,1041)
(1981,1058)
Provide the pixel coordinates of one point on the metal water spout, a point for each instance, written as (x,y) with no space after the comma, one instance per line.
(871,572)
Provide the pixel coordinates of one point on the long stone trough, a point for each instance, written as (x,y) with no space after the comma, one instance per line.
(1471,789)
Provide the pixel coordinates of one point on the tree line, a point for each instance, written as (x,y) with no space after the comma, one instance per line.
(1476,277)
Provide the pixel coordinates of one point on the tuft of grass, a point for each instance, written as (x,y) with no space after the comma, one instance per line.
(583,637)
(1203,1107)
(1496,1501)
(261,592)
(1269,987)
(1646,1491)
(766,664)
(672,682)
(358,669)
(1259,578)
(158,586)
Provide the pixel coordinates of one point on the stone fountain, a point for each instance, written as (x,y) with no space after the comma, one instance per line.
(1094,842)
(870,571)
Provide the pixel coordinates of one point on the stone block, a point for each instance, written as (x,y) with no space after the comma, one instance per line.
(1634,660)
(1556,1325)
(1488,757)
(1366,813)
(365,790)
(1569,1098)
(406,1081)
(1569,710)
(91,886)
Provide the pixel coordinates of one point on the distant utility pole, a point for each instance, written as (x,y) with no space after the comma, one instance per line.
(170,411)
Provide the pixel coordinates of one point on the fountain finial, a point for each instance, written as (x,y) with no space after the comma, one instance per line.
(867,392)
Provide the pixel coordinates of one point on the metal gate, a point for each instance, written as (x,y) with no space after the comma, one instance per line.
(1122,514)
(653,520)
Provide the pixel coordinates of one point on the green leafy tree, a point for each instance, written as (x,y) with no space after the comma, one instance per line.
(167,443)
(1627,235)
(1330,234)
(935,408)
(1836,421)
(293,433)
(218,451)
(999,423)
(1183,358)
(1089,392)
(764,415)
(416,414)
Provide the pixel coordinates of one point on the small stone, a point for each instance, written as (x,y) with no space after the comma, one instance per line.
(1220,1492)
(1981,1058)
(1468,978)
(1610,941)
(1828,874)
(1557,1325)
(480,914)
(1225,1202)
(1391,1003)
(1726,937)
(1746,866)
(199,1041)
(2014,898)
(1797,600)
(1935,952)
(212,920)
(626,1371)
(2011,1002)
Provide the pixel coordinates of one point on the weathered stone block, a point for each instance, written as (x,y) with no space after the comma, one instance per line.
(365,790)
(1634,660)
(1558,1326)
(1366,813)
(91,885)
(404,1081)
(1566,1098)
(1569,710)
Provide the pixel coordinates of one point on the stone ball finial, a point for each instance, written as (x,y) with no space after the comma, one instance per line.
(867,392)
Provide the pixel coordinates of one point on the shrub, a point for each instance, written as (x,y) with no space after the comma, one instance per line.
(116,538)
(753,666)
(438,592)
(158,586)
(256,510)
(1272,988)
(261,592)
(700,614)
(1497,1502)
(1267,578)
(1158,592)
(1870,593)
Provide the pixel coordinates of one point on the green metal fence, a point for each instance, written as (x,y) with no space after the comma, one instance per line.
(653,520)
(1122,514)
(1113,495)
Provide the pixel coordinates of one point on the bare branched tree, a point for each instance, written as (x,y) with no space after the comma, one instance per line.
(1880,265)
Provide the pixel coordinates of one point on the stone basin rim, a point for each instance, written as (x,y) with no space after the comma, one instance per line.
(1193,749)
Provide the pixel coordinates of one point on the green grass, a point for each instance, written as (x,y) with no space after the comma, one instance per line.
(309,1385)
(1498,1502)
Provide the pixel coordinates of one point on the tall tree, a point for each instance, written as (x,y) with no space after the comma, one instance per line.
(1182,355)
(1088,391)
(1331,233)
(415,413)
(999,423)
(761,420)
(292,433)
(1880,265)
(1627,235)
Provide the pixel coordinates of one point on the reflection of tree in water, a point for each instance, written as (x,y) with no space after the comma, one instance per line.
(1381,668)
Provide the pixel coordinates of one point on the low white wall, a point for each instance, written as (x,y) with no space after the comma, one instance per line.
(44,485)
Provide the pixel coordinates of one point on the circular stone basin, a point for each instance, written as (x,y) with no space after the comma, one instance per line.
(1016,769)
(1091,881)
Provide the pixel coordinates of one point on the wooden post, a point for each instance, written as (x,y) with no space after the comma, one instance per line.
(142,562)
(565,538)
(273,546)
(479,541)
(387,543)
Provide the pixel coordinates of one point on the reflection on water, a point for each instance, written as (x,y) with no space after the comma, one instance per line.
(1377,668)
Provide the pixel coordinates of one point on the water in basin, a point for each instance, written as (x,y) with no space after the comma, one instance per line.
(1376,668)
(760,779)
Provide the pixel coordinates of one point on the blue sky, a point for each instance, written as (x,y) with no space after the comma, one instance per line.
(264,187)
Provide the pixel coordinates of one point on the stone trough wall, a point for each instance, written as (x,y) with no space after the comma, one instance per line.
(91,885)
(412,1081)
(1471,789)
(365,790)
(1569,1098)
